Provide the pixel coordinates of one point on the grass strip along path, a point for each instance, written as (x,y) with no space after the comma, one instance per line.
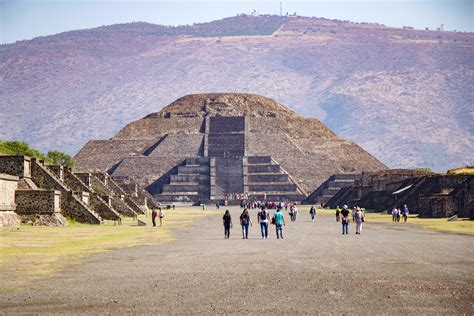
(31,253)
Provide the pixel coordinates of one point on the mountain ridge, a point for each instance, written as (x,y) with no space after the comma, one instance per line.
(403,95)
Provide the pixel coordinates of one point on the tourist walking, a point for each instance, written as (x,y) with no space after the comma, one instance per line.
(263,217)
(161,215)
(405,213)
(345,220)
(359,219)
(293,212)
(338,212)
(227,220)
(154,214)
(394,214)
(279,223)
(244,222)
(312,212)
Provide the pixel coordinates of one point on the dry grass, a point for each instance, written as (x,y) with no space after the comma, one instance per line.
(30,253)
(466,170)
(460,226)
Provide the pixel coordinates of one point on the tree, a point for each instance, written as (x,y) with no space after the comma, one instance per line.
(20,148)
(60,158)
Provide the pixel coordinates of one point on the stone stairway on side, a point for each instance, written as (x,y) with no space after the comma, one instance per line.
(71,205)
(267,180)
(189,184)
(331,187)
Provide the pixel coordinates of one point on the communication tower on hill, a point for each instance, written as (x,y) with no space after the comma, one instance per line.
(281,9)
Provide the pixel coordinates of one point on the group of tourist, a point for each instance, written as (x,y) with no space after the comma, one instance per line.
(397,213)
(263,219)
(266,204)
(358,216)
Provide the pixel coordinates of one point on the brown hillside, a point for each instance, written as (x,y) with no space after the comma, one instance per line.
(403,95)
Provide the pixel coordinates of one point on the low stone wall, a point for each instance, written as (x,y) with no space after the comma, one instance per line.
(71,205)
(19,166)
(84,196)
(37,202)
(58,171)
(8,185)
(85,177)
(134,206)
(436,206)
(75,182)
(120,206)
(103,208)
(142,201)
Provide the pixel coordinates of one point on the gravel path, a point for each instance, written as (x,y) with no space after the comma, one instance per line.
(390,268)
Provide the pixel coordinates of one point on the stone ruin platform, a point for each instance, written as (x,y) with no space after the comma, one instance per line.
(213,147)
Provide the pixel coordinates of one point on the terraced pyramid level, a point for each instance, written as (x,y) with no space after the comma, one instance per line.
(210,147)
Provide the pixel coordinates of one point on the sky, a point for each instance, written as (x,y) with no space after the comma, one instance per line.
(26,19)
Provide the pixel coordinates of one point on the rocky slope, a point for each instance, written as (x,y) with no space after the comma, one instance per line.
(403,95)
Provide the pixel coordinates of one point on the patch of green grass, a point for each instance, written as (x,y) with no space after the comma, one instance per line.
(30,253)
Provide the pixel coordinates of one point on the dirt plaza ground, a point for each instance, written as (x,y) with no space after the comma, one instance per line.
(389,269)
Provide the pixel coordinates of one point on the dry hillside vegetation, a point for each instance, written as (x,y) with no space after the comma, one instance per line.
(403,95)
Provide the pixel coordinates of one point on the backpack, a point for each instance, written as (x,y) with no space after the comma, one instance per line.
(273,220)
(263,215)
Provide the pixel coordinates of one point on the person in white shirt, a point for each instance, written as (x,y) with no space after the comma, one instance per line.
(161,215)
(359,219)
(394,214)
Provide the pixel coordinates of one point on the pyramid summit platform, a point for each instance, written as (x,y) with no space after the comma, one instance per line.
(211,147)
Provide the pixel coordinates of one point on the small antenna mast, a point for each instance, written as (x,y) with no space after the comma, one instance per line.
(281,9)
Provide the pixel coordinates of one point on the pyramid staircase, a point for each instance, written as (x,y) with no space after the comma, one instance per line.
(225,170)
(189,184)
(329,188)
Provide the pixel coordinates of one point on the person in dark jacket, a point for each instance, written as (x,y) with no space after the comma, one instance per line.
(312,212)
(245,221)
(227,220)
(345,220)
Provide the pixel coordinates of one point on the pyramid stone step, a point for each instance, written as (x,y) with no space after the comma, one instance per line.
(273,187)
(268,177)
(264,169)
(185,188)
(276,196)
(198,161)
(189,178)
(259,159)
(193,170)
(226,124)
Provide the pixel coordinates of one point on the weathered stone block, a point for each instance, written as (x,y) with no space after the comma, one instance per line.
(37,202)
(8,185)
(19,166)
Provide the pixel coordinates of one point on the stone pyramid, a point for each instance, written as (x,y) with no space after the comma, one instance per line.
(221,146)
